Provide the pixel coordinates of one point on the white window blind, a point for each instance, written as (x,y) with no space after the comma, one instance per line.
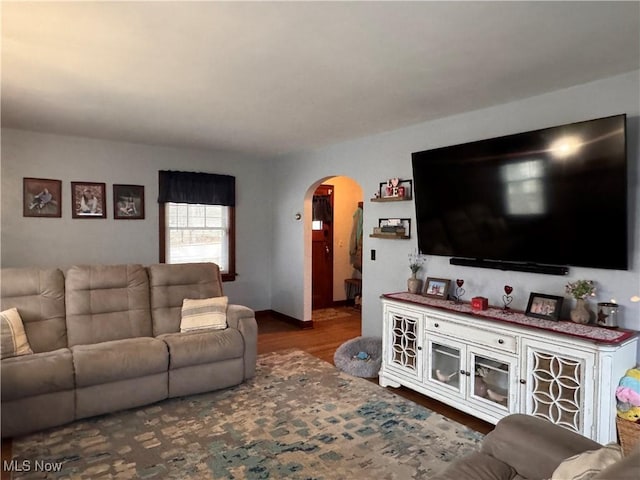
(197,233)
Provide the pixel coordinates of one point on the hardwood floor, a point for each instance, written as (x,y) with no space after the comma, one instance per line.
(322,341)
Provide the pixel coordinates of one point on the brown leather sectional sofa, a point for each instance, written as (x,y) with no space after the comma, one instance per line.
(107,337)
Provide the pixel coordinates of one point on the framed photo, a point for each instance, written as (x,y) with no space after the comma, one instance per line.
(544,306)
(437,288)
(41,197)
(128,202)
(88,200)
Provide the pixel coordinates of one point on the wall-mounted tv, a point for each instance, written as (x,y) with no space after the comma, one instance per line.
(550,197)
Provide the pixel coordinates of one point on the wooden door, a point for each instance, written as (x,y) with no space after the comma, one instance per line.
(322,248)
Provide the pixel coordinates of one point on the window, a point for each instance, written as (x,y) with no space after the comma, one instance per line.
(197,219)
(199,233)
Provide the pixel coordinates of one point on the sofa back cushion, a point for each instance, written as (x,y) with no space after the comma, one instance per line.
(38,294)
(107,302)
(171,284)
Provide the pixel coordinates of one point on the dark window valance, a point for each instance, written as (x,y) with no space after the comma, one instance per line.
(194,187)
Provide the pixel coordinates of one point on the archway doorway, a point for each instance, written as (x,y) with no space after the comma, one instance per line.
(336,242)
(322,247)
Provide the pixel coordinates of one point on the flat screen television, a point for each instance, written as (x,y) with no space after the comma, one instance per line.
(550,197)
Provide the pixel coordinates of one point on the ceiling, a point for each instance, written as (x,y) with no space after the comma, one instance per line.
(270,78)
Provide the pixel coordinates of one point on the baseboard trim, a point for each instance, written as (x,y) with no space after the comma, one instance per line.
(285,318)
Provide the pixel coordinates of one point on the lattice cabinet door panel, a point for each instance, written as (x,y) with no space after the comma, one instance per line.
(559,385)
(402,349)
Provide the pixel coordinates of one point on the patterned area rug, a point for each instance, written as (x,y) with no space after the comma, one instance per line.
(324,314)
(300,418)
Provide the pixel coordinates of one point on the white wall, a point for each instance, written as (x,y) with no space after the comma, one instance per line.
(63,242)
(374,159)
(274,271)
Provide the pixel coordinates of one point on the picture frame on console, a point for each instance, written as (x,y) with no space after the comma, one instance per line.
(88,200)
(437,288)
(41,197)
(544,306)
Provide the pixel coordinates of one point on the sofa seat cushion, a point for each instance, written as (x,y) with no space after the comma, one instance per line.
(37,374)
(204,346)
(119,360)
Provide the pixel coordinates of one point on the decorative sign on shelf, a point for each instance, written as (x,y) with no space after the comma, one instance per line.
(394,189)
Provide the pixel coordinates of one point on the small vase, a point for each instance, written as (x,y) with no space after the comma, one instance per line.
(414,284)
(581,314)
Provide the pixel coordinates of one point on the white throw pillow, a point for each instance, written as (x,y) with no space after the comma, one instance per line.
(206,313)
(13,338)
(586,465)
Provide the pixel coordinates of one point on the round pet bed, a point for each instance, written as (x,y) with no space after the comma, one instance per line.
(360,356)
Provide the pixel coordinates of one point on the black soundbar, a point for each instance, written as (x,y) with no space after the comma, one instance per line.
(513,266)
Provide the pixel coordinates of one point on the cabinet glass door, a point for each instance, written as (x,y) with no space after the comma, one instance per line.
(445,364)
(491,379)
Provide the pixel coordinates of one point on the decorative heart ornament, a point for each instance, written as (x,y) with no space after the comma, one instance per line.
(508,289)
(459,290)
(395,181)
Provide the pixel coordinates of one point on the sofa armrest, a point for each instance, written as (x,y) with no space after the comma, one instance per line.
(534,447)
(237,313)
(243,319)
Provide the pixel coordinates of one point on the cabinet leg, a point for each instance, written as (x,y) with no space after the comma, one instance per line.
(386,382)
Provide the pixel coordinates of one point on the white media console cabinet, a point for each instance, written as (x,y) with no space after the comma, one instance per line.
(495,362)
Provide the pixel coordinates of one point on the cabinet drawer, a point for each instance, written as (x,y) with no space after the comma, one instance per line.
(479,336)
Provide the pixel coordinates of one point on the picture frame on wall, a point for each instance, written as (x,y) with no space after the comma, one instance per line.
(437,288)
(88,200)
(41,197)
(128,202)
(544,306)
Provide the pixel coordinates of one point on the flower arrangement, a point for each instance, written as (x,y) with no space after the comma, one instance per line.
(581,289)
(416,260)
